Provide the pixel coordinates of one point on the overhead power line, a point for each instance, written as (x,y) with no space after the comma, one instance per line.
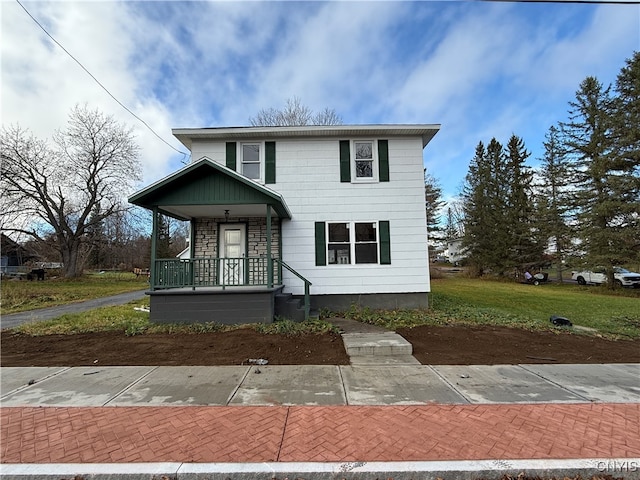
(184,154)
(594,2)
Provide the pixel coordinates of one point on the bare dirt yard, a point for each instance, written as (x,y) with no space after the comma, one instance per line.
(452,345)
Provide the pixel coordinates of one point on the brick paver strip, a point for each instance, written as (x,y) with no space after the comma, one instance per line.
(321,434)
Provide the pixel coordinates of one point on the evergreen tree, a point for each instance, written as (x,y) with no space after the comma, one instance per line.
(433,204)
(485,239)
(525,247)
(499,229)
(553,203)
(625,161)
(587,137)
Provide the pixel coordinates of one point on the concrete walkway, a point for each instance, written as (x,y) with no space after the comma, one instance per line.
(325,385)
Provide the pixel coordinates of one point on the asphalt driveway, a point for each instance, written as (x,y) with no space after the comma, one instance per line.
(15,319)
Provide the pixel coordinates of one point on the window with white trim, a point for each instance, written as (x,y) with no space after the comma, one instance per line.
(250,162)
(352,243)
(364,161)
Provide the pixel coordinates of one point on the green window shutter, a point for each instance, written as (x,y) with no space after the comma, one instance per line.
(231,155)
(345,162)
(270,162)
(321,248)
(383,160)
(385,242)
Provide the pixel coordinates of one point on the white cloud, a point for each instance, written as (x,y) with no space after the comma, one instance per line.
(41,83)
(479,68)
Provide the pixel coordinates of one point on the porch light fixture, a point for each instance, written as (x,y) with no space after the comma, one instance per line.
(226,215)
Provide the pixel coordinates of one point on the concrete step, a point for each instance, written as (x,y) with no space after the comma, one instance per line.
(378,344)
(380,360)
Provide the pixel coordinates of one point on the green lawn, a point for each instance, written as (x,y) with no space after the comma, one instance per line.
(20,296)
(453,300)
(483,301)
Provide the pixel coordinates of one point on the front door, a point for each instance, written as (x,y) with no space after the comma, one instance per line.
(232,252)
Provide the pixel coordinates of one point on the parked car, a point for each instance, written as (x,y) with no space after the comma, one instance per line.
(598,276)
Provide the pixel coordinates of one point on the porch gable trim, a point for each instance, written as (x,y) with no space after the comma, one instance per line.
(154,194)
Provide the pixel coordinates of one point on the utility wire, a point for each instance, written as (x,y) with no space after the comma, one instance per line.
(594,2)
(184,154)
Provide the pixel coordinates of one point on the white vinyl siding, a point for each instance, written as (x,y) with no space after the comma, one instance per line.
(309,180)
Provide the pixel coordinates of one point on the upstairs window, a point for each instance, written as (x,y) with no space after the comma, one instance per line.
(363,160)
(252,156)
(251,160)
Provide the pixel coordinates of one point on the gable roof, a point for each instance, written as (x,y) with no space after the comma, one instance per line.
(424,131)
(205,183)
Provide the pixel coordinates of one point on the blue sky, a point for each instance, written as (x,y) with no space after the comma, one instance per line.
(481,69)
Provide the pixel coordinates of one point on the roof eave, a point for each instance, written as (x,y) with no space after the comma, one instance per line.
(425,131)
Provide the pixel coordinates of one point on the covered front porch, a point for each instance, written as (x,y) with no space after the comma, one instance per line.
(232,271)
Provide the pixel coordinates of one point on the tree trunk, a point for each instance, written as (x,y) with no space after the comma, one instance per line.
(70,260)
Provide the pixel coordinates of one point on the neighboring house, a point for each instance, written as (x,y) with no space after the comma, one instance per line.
(12,255)
(320,216)
(454,251)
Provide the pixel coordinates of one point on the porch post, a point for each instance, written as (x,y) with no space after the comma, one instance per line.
(154,247)
(269,259)
(280,251)
(192,253)
(192,238)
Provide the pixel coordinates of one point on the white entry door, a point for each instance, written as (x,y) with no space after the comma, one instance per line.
(232,252)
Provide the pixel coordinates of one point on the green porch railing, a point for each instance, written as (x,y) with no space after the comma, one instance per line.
(213,272)
(307,284)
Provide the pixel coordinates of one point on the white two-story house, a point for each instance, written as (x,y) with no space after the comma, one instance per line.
(285,220)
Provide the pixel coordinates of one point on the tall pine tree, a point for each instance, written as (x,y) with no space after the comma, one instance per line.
(587,138)
(484,197)
(625,161)
(525,246)
(499,229)
(433,205)
(553,202)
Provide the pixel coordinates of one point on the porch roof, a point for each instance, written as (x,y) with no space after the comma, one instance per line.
(206,189)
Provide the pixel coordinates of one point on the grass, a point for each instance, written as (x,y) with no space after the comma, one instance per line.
(459,300)
(126,319)
(20,296)
(454,300)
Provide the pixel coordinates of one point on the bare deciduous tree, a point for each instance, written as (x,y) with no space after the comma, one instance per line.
(294,113)
(67,187)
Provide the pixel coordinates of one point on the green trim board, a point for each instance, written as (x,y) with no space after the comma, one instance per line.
(231,155)
(385,242)
(270,162)
(206,182)
(383,160)
(345,161)
(321,242)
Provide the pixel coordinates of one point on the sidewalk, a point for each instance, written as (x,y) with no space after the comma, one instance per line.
(235,423)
